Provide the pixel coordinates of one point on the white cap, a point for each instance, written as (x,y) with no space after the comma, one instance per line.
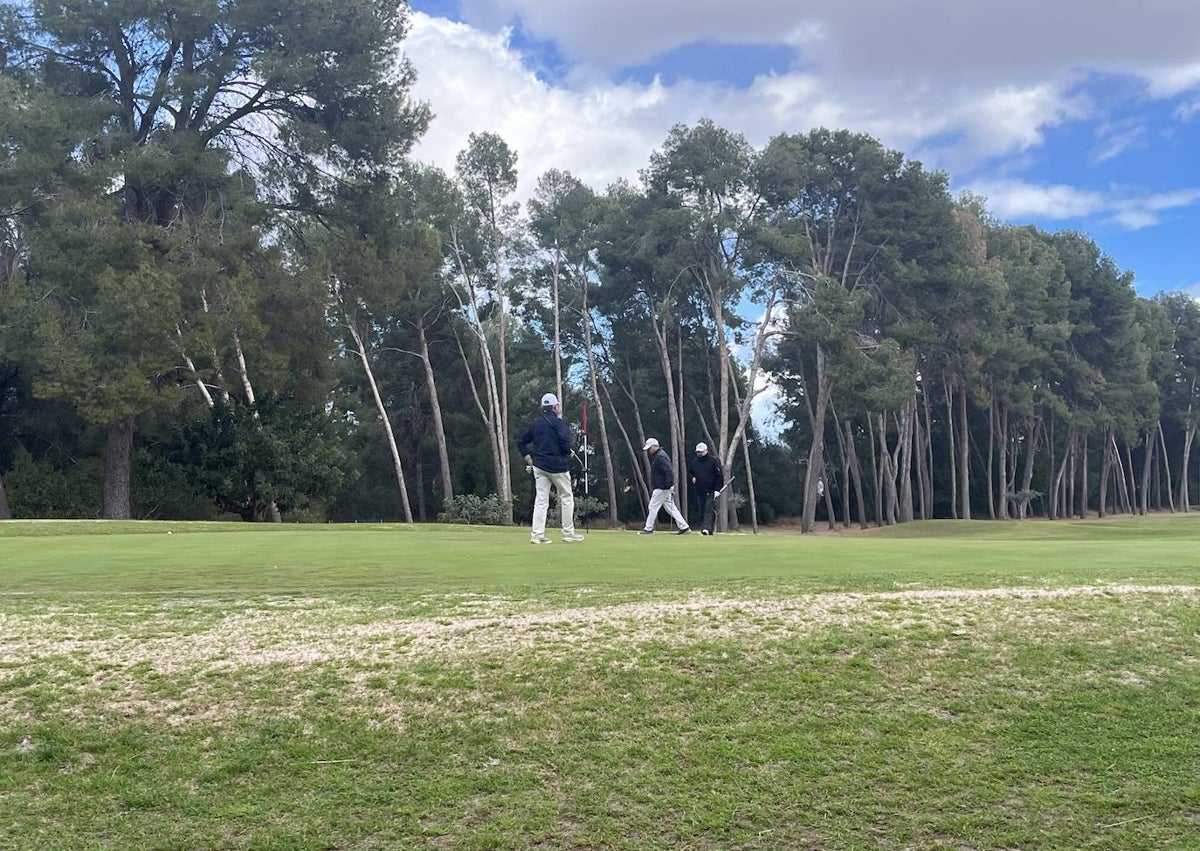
(650,441)
(701,447)
(549,400)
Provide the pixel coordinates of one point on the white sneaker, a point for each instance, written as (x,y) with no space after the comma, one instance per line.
(572,538)
(540,539)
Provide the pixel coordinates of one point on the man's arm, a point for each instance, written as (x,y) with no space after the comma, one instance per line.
(564,437)
(524,441)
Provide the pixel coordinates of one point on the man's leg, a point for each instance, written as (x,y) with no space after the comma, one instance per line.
(541,503)
(656,502)
(566,502)
(673,510)
(707,512)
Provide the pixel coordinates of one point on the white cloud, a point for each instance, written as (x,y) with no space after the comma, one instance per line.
(1118,137)
(1018,42)
(1188,110)
(601,131)
(1021,200)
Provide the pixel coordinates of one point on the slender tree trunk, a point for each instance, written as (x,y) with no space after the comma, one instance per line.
(1105,468)
(1083,479)
(503,433)
(1185,502)
(816,452)
(613,520)
(1147,463)
(927,454)
(856,472)
(684,483)
(558,382)
(964,462)
(439,429)
(664,360)
(991,459)
(487,414)
(635,461)
(118,467)
(1166,462)
(844,458)
(1035,440)
(887,473)
(831,517)
(1002,462)
(876,470)
(906,426)
(952,455)
(5,510)
(385,419)
(750,488)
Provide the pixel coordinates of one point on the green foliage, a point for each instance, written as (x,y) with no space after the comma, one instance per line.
(280,452)
(37,488)
(475,510)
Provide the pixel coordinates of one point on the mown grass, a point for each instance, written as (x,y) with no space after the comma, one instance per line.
(382,687)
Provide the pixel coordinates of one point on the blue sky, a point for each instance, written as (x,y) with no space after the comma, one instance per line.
(1094,128)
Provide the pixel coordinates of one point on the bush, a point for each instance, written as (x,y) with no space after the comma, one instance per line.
(586,508)
(474,510)
(38,489)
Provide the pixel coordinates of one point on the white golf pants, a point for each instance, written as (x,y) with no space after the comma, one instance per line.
(541,504)
(663,498)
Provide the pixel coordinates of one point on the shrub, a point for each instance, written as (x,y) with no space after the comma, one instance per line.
(475,510)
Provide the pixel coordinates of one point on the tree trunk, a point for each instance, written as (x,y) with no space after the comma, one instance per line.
(1185,502)
(1166,463)
(118,467)
(964,463)
(845,463)
(1105,468)
(387,423)
(1147,462)
(991,459)
(816,452)
(909,458)
(1083,479)
(664,360)
(952,455)
(1035,440)
(5,510)
(876,470)
(750,488)
(636,458)
(1002,462)
(856,472)
(438,428)
(613,520)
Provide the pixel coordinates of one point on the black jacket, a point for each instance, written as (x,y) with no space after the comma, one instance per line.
(548,440)
(662,473)
(706,470)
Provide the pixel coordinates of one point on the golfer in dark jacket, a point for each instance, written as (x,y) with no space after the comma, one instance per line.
(705,473)
(546,445)
(662,480)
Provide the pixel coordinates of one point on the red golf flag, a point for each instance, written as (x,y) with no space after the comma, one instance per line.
(585,419)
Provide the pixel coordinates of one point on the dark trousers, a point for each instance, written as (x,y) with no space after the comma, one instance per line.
(706,505)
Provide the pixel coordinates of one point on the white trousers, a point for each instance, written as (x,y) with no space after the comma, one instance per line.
(663,498)
(541,504)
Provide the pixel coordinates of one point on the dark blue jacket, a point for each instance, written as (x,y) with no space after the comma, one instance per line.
(706,470)
(662,473)
(548,440)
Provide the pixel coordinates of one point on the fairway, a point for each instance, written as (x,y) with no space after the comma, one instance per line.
(936,685)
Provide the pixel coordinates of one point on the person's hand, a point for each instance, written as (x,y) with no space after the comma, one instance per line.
(528,461)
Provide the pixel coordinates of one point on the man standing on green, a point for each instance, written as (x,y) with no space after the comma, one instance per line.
(662,479)
(546,445)
(707,479)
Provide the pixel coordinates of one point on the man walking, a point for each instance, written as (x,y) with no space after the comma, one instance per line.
(706,475)
(662,479)
(546,445)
